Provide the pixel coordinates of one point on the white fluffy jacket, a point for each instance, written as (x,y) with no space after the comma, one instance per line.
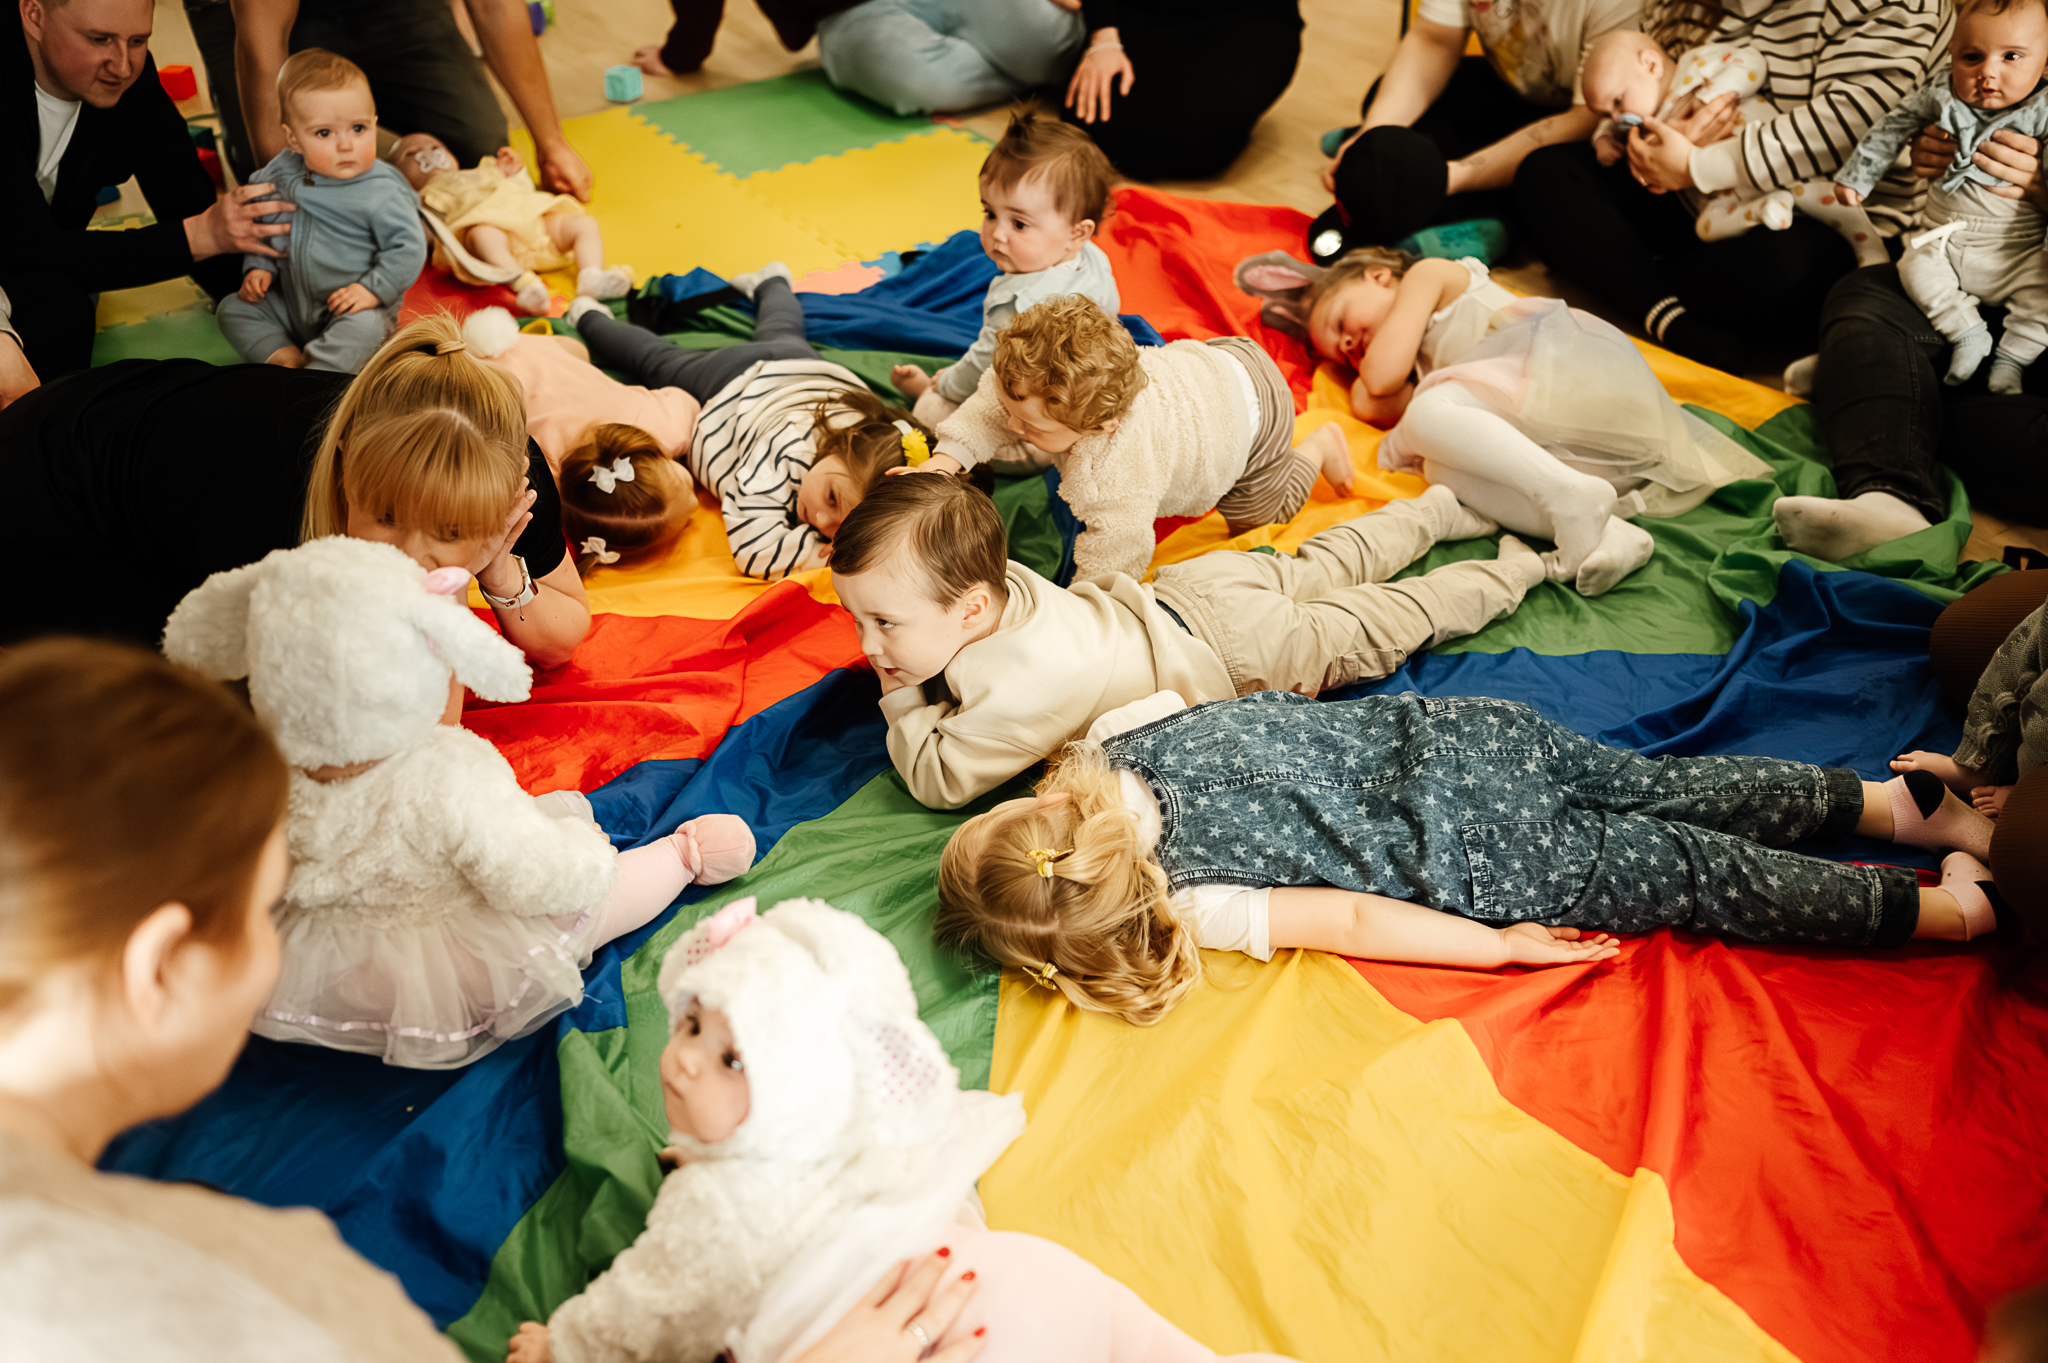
(1179,448)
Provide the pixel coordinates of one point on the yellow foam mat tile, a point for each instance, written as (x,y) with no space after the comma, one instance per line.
(1317,1174)
(887,198)
(124,307)
(665,210)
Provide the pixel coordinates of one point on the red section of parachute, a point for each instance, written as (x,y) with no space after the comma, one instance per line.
(1853,1142)
(648,687)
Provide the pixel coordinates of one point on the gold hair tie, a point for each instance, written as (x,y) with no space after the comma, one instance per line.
(1043,974)
(450,347)
(1045,857)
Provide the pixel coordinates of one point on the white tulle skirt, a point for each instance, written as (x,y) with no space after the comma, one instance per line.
(434,996)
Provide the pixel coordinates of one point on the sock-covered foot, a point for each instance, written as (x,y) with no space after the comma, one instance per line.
(714,847)
(531,295)
(1968,881)
(2008,375)
(1325,447)
(754,279)
(1578,510)
(1798,378)
(1833,529)
(1671,326)
(613,281)
(1970,350)
(1451,518)
(1775,211)
(1524,560)
(581,306)
(1623,549)
(1926,813)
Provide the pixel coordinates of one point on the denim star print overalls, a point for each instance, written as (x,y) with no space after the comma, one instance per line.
(1484,808)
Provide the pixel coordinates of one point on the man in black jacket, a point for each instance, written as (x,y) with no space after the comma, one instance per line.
(80,110)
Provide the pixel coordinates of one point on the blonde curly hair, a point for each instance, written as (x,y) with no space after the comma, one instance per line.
(1076,357)
(1101,920)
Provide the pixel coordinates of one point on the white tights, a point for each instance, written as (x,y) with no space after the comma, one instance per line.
(649,880)
(1500,472)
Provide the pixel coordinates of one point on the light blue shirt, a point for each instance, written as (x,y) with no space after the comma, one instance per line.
(1936,103)
(1087,274)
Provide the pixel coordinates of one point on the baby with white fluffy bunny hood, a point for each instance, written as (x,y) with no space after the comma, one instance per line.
(435,910)
(824,1137)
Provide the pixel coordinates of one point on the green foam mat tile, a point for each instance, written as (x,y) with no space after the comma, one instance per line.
(768,124)
(187,335)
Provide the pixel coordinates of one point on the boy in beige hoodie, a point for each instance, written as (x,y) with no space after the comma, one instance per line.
(987,668)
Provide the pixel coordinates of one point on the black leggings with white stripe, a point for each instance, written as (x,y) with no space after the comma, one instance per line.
(655,363)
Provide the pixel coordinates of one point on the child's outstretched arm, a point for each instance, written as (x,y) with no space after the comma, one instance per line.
(1377,928)
(974,433)
(1390,356)
(1879,147)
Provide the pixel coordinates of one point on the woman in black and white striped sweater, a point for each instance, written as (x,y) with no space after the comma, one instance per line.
(1626,232)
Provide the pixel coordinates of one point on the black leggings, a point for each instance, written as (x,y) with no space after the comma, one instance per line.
(1201,85)
(1631,249)
(656,363)
(1888,416)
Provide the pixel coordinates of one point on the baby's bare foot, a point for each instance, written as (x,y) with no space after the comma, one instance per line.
(648,59)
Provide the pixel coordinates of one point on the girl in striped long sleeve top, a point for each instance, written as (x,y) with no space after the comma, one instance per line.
(788,441)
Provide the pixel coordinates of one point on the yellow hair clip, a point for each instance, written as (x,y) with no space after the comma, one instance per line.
(1045,857)
(916,449)
(1043,974)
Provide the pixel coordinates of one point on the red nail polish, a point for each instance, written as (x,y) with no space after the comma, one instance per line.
(944,1252)
(980,1330)
(968,1276)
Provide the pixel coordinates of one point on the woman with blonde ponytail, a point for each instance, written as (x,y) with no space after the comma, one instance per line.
(132,483)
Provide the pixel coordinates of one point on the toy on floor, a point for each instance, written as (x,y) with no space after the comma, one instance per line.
(1627,76)
(435,910)
(1975,245)
(1452,831)
(1045,190)
(1138,434)
(622,83)
(492,225)
(788,441)
(823,1135)
(354,244)
(1542,417)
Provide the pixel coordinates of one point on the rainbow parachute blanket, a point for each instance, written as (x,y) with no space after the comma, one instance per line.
(1698,1150)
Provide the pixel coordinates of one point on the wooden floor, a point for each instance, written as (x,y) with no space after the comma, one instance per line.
(1345,45)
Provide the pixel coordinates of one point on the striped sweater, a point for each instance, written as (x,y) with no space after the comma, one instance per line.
(1836,67)
(752,447)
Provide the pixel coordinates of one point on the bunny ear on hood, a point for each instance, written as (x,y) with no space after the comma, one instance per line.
(482,659)
(1285,284)
(209,630)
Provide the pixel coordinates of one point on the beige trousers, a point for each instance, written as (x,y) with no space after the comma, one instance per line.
(1326,616)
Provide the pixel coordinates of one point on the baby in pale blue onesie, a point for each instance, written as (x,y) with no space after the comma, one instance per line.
(355,243)
(1975,246)
(1044,191)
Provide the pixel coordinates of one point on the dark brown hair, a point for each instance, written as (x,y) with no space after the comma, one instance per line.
(860,430)
(126,782)
(1075,170)
(637,520)
(948,527)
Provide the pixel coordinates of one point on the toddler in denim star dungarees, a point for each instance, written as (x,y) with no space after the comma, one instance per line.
(1452,831)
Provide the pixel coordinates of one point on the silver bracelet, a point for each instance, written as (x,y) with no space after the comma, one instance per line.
(527,591)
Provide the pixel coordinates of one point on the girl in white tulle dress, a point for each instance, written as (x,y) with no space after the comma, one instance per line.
(1541,416)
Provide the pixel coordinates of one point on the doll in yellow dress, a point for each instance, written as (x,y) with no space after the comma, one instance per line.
(492,225)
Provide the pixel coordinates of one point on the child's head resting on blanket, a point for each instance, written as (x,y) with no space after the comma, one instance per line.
(141,809)
(426,450)
(1062,886)
(1066,370)
(1624,72)
(1348,304)
(329,117)
(859,440)
(623,499)
(922,566)
(1044,192)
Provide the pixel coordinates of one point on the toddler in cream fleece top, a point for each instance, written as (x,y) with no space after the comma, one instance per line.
(1138,434)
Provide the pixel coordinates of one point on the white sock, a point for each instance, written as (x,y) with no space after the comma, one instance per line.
(753,279)
(1833,529)
(2008,372)
(1970,350)
(1623,549)
(614,281)
(531,294)
(1451,518)
(1518,555)
(582,305)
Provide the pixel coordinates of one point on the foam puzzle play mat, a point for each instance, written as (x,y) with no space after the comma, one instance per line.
(1697,1150)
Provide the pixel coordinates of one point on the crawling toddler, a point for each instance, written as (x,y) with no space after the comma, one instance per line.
(355,244)
(1976,245)
(1139,434)
(1627,77)
(492,225)
(1044,192)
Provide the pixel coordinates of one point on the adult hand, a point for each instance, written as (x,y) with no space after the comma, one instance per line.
(1708,123)
(2016,159)
(563,171)
(1102,66)
(878,1330)
(17,375)
(1660,157)
(493,566)
(1535,944)
(350,298)
(231,226)
(1330,166)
